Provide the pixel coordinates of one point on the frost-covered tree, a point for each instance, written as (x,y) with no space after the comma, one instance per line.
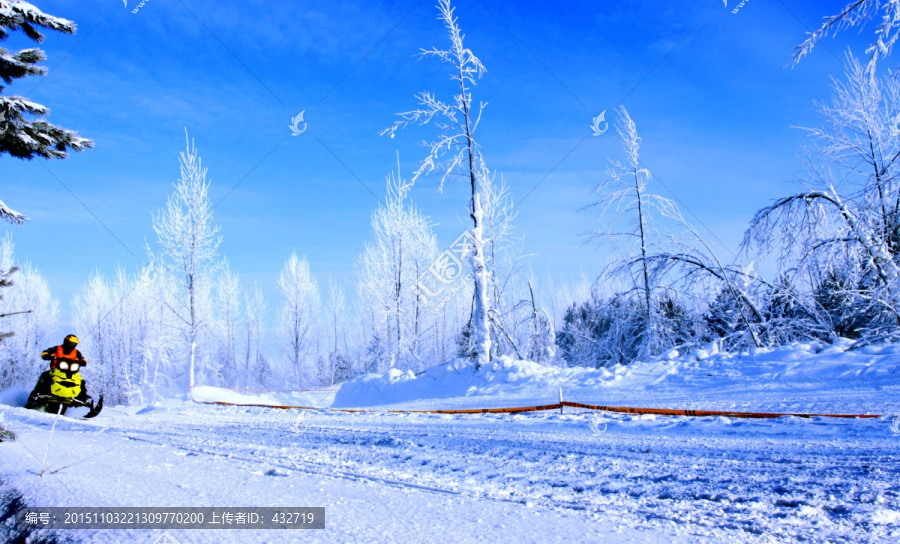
(188,242)
(24,131)
(625,207)
(541,333)
(389,274)
(858,13)
(375,354)
(505,263)
(456,153)
(110,339)
(601,332)
(336,366)
(336,307)
(840,234)
(664,262)
(163,344)
(10,215)
(20,363)
(298,318)
(789,319)
(6,281)
(634,222)
(227,303)
(132,341)
(255,308)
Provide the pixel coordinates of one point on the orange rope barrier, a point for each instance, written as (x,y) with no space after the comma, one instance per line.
(557,406)
(481,410)
(706,413)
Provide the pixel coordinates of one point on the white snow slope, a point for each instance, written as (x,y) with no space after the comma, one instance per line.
(535,477)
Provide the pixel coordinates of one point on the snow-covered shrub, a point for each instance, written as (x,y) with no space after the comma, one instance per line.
(601,332)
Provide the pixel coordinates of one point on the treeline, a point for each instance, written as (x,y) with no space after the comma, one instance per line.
(186,319)
(830,249)
(834,245)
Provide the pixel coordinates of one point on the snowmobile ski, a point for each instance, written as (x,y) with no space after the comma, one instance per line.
(95,409)
(51,405)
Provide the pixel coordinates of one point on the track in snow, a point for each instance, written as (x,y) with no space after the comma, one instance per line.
(812,480)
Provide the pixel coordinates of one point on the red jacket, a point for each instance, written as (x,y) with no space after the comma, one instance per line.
(58,352)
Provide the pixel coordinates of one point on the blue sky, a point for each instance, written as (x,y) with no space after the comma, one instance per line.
(708,90)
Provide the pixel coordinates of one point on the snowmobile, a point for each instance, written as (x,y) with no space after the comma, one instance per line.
(61,387)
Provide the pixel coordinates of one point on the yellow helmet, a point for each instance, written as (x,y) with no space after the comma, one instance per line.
(71,339)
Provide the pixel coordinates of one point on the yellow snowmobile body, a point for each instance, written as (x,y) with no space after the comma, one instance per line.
(65,385)
(57,390)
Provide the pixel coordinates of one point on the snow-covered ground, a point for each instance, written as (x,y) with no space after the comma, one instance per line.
(535,477)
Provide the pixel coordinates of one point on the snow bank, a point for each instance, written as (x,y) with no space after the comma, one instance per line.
(803,377)
(313,398)
(458,379)
(218,394)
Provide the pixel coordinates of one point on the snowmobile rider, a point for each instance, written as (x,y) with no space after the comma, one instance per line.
(63,359)
(66,352)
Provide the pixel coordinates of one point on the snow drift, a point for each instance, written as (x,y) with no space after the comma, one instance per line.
(803,377)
